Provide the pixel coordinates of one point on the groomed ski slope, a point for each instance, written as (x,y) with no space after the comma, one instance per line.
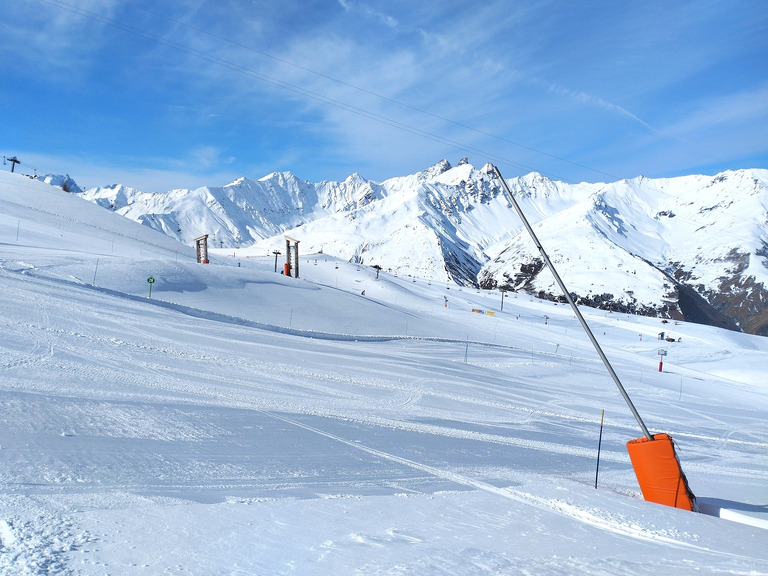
(242,422)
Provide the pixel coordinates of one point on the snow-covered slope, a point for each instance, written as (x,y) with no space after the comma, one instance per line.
(242,422)
(685,248)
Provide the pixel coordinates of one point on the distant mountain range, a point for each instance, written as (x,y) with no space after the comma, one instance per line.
(691,248)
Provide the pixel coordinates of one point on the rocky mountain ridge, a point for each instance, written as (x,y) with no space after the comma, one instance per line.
(692,247)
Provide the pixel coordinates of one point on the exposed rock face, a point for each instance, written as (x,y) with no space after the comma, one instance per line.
(739,297)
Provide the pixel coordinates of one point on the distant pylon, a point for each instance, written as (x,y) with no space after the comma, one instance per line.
(13,162)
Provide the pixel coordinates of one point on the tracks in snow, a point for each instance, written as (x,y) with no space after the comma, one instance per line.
(587,515)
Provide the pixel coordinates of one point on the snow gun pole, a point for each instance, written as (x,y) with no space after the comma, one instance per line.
(573,305)
(654,459)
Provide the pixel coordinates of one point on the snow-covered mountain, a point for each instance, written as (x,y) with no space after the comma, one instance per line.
(692,247)
(241,212)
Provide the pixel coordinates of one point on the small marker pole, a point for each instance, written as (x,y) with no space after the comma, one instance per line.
(150,280)
(599,444)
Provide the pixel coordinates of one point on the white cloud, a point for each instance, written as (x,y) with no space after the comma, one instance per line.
(589,99)
(55,36)
(206,158)
(736,109)
(202,166)
(366,11)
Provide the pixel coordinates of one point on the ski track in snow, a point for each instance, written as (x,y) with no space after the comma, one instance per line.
(285,374)
(592,517)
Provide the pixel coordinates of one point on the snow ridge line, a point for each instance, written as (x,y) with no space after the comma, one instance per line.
(106,231)
(587,516)
(329,336)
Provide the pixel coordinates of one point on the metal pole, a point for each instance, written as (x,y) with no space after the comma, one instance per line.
(296,249)
(599,445)
(573,305)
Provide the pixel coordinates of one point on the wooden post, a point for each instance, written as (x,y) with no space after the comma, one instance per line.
(201,246)
(288,254)
(292,243)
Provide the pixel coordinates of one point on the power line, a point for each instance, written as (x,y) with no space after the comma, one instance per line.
(361,89)
(309,93)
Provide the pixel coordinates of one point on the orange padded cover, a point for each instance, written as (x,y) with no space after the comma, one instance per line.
(658,472)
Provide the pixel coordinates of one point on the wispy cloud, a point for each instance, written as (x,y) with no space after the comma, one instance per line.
(54,37)
(368,12)
(200,166)
(207,157)
(200,86)
(592,100)
(739,108)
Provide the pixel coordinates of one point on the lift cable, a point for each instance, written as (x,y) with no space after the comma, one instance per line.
(315,95)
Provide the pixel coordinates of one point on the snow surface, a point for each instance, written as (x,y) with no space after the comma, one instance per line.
(242,422)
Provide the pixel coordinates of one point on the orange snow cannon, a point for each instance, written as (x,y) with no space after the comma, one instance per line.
(658,472)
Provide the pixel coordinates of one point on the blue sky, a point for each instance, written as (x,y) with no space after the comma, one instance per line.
(172,94)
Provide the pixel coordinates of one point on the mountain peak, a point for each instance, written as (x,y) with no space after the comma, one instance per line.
(355,178)
(435,170)
(62,181)
(280,178)
(239,182)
